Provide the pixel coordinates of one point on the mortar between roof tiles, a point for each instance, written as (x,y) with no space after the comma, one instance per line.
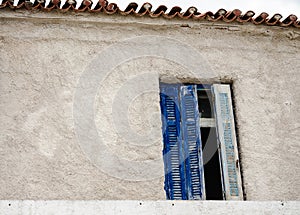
(103,18)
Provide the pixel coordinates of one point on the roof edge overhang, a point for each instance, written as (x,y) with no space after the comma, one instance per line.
(102,6)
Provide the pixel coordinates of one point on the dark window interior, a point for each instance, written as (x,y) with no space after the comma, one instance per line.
(205,101)
(212,172)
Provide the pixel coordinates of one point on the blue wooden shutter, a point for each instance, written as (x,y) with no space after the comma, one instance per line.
(173,151)
(228,143)
(192,141)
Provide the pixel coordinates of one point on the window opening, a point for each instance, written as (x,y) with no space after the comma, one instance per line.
(212,170)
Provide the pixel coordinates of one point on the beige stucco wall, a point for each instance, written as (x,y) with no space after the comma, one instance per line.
(43,57)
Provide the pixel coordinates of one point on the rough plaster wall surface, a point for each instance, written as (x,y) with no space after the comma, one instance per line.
(42,57)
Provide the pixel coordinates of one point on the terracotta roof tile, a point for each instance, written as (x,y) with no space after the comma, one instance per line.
(102,6)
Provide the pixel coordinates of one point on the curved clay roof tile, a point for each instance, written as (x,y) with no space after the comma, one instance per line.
(102,6)
(145,8)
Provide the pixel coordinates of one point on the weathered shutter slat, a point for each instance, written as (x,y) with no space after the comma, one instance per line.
(192,141)
(228,143)
(173,159)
